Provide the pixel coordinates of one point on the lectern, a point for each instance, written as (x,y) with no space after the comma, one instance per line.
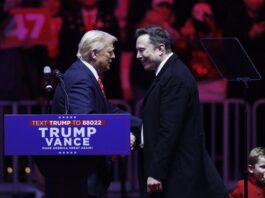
(69,148)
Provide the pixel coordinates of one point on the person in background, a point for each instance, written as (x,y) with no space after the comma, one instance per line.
(86,15)
(202,24)
(173,161)
(246,21)
(135,79)
(21,60)
(54,8)
(256,179)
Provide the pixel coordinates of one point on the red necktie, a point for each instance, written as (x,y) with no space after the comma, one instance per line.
(103,91)
(101,86)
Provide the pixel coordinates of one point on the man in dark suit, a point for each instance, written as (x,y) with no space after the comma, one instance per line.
(75,176)
(173,159)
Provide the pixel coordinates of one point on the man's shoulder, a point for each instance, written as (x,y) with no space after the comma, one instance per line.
(76,67)
(177,74)
(178,69)
(77,71)
(174,64)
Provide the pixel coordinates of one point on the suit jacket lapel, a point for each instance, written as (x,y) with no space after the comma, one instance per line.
(94,80)
(167,65)
(156,80)
(150,89)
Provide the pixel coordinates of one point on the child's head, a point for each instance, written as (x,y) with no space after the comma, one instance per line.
(256,164)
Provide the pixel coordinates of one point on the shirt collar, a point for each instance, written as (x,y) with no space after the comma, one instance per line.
(160,66)
(91,68)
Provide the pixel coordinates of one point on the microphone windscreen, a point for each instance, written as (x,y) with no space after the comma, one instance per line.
(47,70)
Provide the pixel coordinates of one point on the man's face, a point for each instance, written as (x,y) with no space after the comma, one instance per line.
(258,170)
(104,58)
(147,53)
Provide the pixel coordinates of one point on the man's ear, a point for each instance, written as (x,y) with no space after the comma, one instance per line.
(94,54)
(250,168)
(162,48)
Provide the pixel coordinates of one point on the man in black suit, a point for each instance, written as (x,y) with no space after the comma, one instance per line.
(173,159)
(74,176)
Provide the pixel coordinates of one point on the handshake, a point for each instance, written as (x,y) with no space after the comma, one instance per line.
(132,141)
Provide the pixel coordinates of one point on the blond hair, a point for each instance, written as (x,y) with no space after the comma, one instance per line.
(94,40)
(254,155)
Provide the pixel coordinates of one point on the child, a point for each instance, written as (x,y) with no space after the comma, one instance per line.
(256,180)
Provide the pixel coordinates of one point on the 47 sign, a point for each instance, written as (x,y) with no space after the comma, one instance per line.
(27,26)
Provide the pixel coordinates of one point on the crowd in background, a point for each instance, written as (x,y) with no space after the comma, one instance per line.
(187,21)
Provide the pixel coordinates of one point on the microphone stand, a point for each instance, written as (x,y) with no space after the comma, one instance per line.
(245,139)
(66,99)
(59,75)
(48,87)
(48,101)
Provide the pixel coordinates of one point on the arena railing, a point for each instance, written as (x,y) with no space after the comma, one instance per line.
(223,123)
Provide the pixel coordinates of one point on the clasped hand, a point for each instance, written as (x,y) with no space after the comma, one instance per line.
(132,141)
(153,185)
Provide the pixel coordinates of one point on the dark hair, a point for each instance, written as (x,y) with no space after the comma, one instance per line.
(157,35)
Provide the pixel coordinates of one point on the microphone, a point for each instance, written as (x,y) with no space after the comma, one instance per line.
(47,76)
(58,74)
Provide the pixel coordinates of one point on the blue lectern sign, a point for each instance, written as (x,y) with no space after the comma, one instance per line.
(92,134)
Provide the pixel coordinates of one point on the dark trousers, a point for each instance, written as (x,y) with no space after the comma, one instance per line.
(66,187)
